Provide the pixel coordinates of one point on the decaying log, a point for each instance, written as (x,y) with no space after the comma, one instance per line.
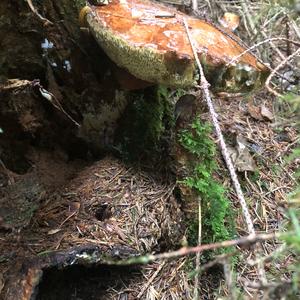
(24,279)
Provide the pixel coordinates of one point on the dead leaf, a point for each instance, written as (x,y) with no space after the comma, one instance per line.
(74,207)
(232,153)
(266,113)
(241,156)
(118,230)
(254,112)
(244,161)
(230,21)
(53,231)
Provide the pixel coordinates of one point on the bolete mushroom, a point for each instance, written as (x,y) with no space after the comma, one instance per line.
(149,40)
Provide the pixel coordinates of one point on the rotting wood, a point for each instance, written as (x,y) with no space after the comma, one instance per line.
(25,278)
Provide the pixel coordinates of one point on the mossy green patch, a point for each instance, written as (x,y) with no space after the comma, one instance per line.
(217,217)
(144,131)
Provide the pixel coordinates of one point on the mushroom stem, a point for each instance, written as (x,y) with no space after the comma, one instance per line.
(82,16)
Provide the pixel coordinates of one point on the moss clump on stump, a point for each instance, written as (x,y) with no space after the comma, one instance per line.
(145,128)
(217,217)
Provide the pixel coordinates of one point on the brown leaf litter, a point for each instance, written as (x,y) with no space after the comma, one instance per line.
(113,206)
(266,187)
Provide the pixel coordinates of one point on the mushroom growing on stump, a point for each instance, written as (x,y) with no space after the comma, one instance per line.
(149,40)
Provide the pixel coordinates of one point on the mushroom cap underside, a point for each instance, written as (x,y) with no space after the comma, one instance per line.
(150,41)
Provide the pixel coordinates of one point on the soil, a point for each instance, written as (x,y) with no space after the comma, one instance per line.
(86,283)
(69,209)
(60,203)
(42,154)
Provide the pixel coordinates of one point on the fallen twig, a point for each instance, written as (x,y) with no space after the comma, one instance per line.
(53,100)
(35,11)
(18,85)
(145,287)
(197,276)
(205,87)
(248,16)
(267,84)
(246,241)
(217,260)
(269,257)
(259,44)
(194,5)
(274,47)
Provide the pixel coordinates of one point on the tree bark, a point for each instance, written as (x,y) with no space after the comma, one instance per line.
(68,63)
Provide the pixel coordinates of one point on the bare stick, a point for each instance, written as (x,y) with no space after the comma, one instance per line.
(145,287)
(267,84)
(295,27)
(197,276)
(259,44)
(269,257)
(219,259)
(205,86)
(35,11)
(245,9)
(228,278)
(274,47)
(194,5)
(16,84)
(247,240)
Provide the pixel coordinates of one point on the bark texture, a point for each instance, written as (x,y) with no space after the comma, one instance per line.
(68,63)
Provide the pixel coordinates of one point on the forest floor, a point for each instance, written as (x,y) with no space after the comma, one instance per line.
(125,211)
(65,216)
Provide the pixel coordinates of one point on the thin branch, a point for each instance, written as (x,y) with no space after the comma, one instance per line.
(145,287)
(268,257)
(35,11)
(284,62)
(274,47)
(295,27)
(54,101)
(198,255)
(184,251)
(261,286)
(228,278)
(249,17)
(217,260)
(205,86)
(259,44)
(16,85)
(195,5)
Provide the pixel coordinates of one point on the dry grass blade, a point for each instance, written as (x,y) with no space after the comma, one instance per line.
(146,286)
(284,62)
(246,241)
(259,44)
(35,11)
(198,255)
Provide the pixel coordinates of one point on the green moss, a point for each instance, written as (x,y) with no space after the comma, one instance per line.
(217,217)
(144,131)
(254,176)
